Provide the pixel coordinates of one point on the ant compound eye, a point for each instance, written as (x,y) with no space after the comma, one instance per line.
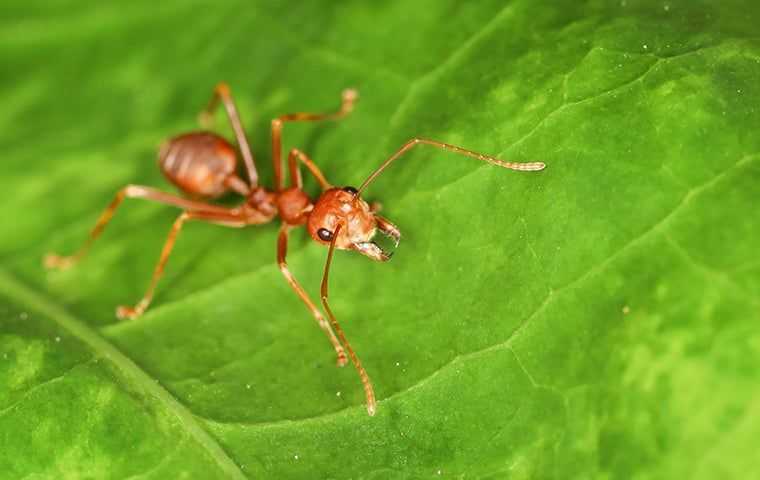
(350,190)
(325,234)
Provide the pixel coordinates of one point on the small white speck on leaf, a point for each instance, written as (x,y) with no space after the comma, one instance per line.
(295,456)
(23,315)
(398,364)
(5,355)
(337,394)
(626,310)
(248,386)
(57,339)
(645,46)
(439,472)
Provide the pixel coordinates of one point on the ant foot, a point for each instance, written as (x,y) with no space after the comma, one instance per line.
(350,95)
(342,359)
(128,313)
(53,261)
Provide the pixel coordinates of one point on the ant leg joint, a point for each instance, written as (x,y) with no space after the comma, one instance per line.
(222,89)
(133,190)
(127,313)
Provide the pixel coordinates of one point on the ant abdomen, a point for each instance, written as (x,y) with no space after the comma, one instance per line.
(200,164)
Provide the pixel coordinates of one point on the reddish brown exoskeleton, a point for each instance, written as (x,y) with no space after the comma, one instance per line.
(204,166)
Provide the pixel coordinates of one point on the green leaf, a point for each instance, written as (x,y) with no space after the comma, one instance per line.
(598,319)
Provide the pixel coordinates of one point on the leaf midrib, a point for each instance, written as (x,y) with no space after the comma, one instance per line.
(35,301)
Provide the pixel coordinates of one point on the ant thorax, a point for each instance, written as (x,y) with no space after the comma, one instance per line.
(340,206)
(293,205)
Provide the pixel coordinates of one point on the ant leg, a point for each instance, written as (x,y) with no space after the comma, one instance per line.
(368,390)
(134,312)
(222,92)
(348,99)
(295,172)
(130,191)
(282,248)
(530,166)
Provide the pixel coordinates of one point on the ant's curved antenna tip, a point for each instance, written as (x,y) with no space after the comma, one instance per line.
(522,167)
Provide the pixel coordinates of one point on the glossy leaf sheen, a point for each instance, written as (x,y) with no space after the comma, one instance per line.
(595,320)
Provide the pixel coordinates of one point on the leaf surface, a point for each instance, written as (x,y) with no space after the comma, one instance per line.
(595,320)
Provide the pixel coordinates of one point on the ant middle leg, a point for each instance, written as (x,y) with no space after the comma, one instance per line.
(225,218)
(130,191)
(348,98)
(295,172)
(282,249)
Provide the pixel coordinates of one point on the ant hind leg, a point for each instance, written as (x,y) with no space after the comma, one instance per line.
(222,93)
(54,261)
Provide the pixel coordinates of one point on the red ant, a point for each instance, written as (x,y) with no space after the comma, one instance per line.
(203,165)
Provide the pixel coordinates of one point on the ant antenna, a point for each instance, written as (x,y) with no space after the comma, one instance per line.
(531,166)
(368,391)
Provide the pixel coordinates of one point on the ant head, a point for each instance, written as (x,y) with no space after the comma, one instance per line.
(343,206)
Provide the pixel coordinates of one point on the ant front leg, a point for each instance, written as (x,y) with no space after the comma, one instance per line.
(347,105)
(282,250)
(369,392)
(53,261)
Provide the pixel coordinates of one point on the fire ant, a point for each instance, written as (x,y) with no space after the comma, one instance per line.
(203,165)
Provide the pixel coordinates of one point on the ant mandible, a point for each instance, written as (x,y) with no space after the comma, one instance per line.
(203,165)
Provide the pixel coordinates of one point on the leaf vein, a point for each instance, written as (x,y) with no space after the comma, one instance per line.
(44,384)
(14,289)
(507,343)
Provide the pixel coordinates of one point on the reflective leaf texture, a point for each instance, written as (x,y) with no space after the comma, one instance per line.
(599,319)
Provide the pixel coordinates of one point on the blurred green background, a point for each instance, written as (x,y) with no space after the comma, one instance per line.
(595,320)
